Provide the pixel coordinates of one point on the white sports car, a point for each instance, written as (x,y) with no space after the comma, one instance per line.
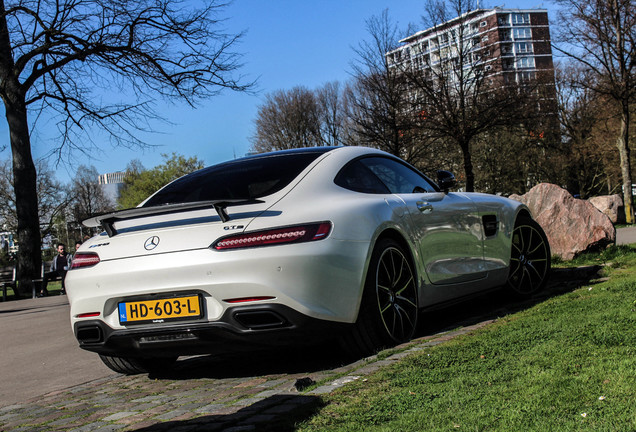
(291,247)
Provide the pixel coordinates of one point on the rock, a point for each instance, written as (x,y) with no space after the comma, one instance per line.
(302,383)
(572,225)
(611,205)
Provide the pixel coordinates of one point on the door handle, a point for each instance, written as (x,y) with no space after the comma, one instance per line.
(424,207)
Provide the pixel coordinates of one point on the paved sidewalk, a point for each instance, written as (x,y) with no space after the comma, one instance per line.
(142,403)
(626,235)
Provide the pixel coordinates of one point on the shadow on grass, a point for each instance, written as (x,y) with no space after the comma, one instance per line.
(278,413)
(327,356)
(498,303)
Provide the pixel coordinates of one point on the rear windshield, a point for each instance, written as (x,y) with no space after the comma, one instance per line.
(242,179)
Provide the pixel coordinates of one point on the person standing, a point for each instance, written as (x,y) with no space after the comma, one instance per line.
(69,257)
(59,267)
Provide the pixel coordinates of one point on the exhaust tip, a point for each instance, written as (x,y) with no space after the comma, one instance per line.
(90,335)
(260,320)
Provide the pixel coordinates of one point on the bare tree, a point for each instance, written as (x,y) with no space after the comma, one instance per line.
(71,57)
(332,114)
(87,195)
(288,119)
(601,35)
(379,103)
(52,197)
(582,114)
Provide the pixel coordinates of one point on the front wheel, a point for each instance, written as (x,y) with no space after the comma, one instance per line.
(529,258)
(388,310)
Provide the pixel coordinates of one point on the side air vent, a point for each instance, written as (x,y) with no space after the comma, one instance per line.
(490,225)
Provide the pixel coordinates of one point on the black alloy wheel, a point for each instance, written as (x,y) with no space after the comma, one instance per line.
(396,293)
(530,258)
(388,310)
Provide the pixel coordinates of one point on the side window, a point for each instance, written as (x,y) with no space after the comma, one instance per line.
(398,177)
(357,177)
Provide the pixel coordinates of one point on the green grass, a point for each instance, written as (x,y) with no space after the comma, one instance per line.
(567,364)
(53,288)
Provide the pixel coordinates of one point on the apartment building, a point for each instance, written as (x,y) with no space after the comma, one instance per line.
(511,45)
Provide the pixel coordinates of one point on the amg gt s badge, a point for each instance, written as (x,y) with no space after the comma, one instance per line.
(151,243)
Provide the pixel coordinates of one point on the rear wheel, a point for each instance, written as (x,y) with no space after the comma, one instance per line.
(388,311)
(529,258)
(134,366)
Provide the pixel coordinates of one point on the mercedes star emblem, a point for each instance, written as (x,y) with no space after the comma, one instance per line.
(151,243)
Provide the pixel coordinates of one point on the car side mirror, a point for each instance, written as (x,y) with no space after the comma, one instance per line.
(446,180)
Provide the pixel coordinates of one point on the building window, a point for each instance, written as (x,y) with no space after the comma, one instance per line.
(524,77)
(482,24)
(520,18)
(525,62)
(522,33)
(524,47)
(484,38)
(503,20)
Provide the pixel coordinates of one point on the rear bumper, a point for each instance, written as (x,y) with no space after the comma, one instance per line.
(243,328)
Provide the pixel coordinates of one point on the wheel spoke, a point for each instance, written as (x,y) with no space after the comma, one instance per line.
(382,287)
(385,308)
(393,271)
(527,248)
(404,314)
(407,301)
(539,275)
(407,284)
(401,268)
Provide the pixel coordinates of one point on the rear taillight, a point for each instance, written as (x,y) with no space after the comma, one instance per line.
(84,259)
(276,236)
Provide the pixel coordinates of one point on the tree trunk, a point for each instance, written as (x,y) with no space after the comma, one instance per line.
(626,167)
(24,174)
(468,167)
(24,183)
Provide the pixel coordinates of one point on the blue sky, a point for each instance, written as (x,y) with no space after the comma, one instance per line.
(287,43)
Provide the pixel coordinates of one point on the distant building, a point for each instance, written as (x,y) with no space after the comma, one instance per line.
(510,44)
(112,184)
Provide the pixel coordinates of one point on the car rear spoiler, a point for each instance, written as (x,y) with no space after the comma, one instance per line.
(107,220)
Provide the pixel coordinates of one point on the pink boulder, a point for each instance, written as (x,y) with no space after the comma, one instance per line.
(611,205)
(572,225)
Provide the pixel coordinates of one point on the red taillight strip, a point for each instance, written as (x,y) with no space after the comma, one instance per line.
(88,315)
(247,299)
(292,234)
(84,259)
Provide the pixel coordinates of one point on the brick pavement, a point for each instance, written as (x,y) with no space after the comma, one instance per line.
(198,401)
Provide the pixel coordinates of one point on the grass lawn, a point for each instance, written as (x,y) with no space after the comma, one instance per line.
(53,288)
(566,364)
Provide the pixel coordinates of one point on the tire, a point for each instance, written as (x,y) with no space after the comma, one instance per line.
(135,366)
(388,310)
(529,258)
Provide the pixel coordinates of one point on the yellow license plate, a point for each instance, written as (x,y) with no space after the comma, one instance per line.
(160,310)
